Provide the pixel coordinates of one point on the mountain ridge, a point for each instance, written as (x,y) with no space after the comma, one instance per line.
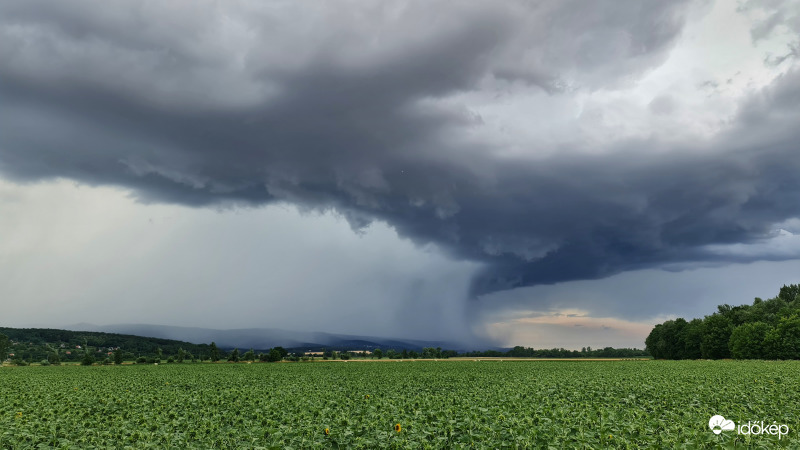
(264,338)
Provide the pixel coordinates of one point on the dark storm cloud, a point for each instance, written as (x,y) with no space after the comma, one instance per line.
(332,107)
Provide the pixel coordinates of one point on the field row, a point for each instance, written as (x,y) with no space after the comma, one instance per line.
(526,404)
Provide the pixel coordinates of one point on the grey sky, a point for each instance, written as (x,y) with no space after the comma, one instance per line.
(473,153)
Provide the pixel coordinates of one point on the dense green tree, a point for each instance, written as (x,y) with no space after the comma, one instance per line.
(54,359)
(234,356)
(789,293)
(747,340)
(692,339)
(87,360)
(716,333)
(428,352)
(118,356)
(783,341)
(274,355)
(773,309)
(214,352)
(378,353)
(4,345)
(674,338)
(249,355)
(181,356)
(766,329)
(654,342)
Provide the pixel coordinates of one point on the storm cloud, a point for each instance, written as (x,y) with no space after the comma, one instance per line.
(406,113)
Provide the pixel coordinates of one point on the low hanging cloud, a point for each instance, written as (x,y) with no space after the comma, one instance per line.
(383,111)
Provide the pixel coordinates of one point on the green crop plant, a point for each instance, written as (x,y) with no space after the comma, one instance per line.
(430,404)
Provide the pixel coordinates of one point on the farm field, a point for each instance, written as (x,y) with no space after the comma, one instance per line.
(457,404)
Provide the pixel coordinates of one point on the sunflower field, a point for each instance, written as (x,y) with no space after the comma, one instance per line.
(409,404)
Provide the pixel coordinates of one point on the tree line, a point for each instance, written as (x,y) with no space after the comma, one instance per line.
(23,346)
(585,352)
(53,346)
(767,329)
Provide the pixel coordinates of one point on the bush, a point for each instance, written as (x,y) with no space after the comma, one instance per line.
(141,360)
(45,362)
(19,362)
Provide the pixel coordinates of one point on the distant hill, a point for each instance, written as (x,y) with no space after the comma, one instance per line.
(37,343)
(141,340)
(265,338)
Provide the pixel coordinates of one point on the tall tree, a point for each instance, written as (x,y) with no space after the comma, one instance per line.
(274,355)
(747,340)
(118,356)
(692,339)
(654,343)
(789,293)
(4,345)
(783,341)
(87,360)
(214,352)
(716,333)
(249,355)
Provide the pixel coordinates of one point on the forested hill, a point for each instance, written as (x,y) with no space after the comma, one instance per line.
(39,343)
(767,329)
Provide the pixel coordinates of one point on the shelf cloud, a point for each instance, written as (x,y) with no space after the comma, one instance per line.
(537,139)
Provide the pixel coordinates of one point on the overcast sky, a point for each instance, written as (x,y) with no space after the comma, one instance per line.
(529,173)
